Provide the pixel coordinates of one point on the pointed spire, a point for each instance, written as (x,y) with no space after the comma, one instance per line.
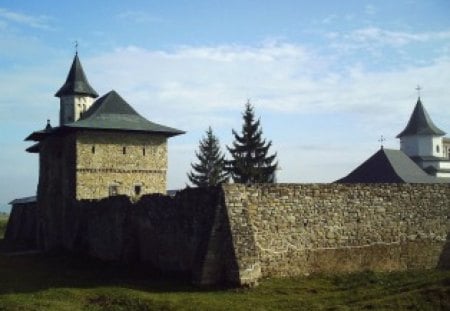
(76,82)
(420,123)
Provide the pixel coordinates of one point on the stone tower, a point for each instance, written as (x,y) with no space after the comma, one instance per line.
(100,148)
(76,95)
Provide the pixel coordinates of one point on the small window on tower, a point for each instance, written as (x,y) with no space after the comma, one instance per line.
(137,190)
(143,151)
(113,190)
(437,149)
(93,149)
(124,150)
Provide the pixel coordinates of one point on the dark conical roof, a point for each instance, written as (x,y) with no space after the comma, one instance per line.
(76,82)
(420,123)
(112,112)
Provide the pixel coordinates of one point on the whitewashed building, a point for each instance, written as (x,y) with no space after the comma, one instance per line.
(423,142)
(424,156)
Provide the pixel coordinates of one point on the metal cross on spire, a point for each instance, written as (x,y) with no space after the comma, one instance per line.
(418,88)
(76,47)
(381,140)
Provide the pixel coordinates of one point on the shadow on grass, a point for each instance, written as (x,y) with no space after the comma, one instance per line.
(22,271)
(444,259)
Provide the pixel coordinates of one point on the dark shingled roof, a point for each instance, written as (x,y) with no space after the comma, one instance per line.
(420,123)
(34,148)
(112,112)
(76,82)
(24,200)
(390,166)
(39,135)
(109,112)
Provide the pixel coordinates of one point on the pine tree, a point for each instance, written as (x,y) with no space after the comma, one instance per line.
(210,169)
(250,161)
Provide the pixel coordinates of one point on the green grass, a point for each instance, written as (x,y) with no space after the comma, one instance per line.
(38,282)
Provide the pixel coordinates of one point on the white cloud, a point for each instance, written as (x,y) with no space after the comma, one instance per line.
(138,17)
(375,36)
(303,100)
(370,9)
(41,22)
(280,77)
(329,19)
(193,87)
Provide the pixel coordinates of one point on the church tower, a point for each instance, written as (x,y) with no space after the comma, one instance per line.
(421,140)
(76,95)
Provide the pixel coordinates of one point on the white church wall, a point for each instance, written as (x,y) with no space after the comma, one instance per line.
(423,145)
(443,174)
(72,107)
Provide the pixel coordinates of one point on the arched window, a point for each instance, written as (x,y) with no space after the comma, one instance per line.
(124,150)
(93,149)
(143,151)
(438,149)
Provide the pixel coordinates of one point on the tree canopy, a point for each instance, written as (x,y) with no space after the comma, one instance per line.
(250,161)
(210,168)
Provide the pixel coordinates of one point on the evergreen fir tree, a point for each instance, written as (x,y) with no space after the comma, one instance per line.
(250,161)
(210,169)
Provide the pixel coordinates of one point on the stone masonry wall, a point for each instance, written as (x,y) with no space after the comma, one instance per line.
(21,227)
(240,233)
(56,189)
(187,234)
(123,160)
(293,229)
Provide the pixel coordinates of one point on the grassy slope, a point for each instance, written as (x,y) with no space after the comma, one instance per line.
(35,282)
(61,283)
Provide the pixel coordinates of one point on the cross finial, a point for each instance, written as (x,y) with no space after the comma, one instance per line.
(76,47)
(381,140)
(418,88)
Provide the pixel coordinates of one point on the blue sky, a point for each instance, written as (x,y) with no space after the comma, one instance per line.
(327,78)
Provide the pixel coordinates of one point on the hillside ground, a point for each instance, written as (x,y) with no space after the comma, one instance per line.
(63,282)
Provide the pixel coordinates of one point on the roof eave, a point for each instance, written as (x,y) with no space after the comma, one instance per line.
(89,128)
(405,133)
(34,148)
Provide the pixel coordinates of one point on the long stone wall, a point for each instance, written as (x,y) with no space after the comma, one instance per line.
(187,234)
(240,233)
(292,229)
